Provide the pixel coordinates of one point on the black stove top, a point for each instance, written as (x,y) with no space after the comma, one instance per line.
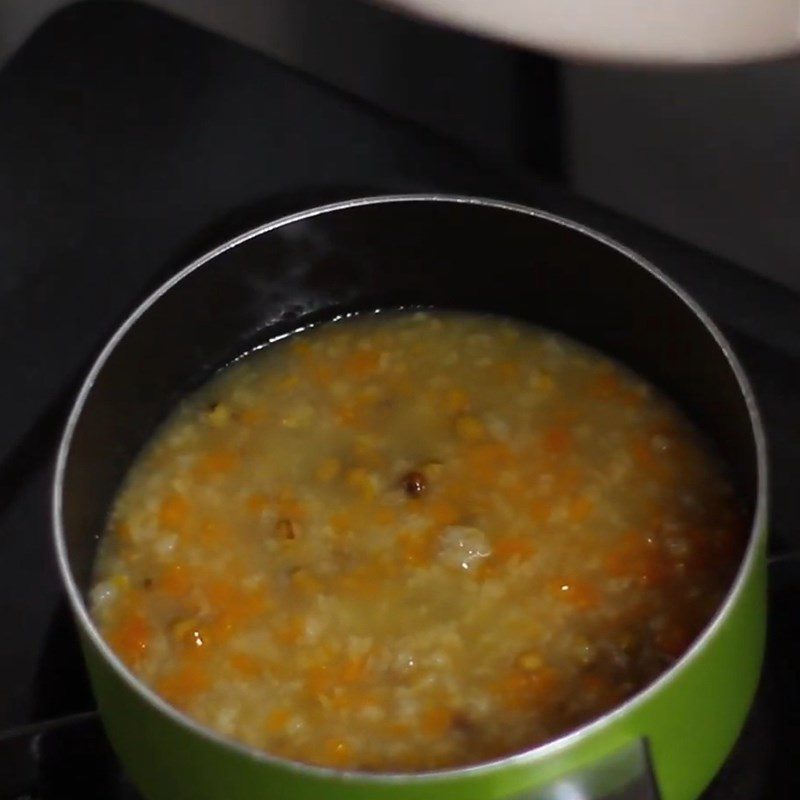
(129,143)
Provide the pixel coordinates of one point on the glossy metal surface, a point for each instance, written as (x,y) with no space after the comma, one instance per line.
(632,779)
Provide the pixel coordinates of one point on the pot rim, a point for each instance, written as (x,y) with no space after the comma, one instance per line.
(526,757)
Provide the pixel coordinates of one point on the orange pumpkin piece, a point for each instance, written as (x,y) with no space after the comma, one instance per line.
(174,511)
(337,752)
(328,469)
(343,521)
(306,582)
(580,509)
(385,515)
(456,401)
(606,385)
(131,637)
(415,549)
(436,721)
(442,512)
(212,533)
(246,665)
(637,557)
(320,679)
(539,510)
(277,720)
(232,607)
(504,548)
(362,364)
(507,371)
(292,631)
(123,532)
(579,594)
(649,461)
(601,691)
(184,684)
(485,461)
(257,503)
(609,386)
(217,462)
(251,415)
(566,481)
(347,414)
(557,440)
(301,348)
(354,668)
(397,728)
(362,581)
(522,687)
(321,372)
(673,640)
(175,581)
(289,507)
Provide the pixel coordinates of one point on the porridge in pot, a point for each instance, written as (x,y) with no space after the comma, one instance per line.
(409,541)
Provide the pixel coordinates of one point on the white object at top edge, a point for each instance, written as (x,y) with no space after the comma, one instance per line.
(656,31)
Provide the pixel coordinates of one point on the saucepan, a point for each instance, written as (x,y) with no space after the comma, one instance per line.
(445,252)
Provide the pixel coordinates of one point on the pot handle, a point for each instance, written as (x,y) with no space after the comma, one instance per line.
(624,774)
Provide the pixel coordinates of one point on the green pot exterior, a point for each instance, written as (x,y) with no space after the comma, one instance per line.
(691,720)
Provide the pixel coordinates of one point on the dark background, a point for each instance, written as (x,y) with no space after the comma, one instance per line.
(709,154)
